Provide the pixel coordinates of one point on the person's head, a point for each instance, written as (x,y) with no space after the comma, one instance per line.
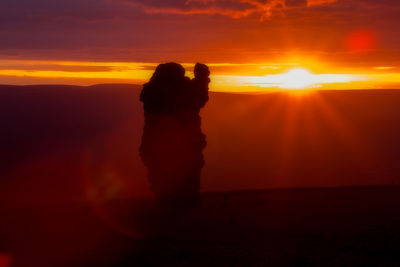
(168,72)
(201,71)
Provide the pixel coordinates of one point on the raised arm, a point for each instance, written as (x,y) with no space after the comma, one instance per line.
(200,82)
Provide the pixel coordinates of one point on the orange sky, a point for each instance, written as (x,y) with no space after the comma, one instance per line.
(231,77)
(251,45)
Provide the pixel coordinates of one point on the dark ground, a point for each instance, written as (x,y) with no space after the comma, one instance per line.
(60,144)
(312,227)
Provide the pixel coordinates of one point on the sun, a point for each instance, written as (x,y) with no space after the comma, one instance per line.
(300,79)
(297,78)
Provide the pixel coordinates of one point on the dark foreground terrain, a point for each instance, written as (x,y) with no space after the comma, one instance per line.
(275,140)
(311,227)
(73,191)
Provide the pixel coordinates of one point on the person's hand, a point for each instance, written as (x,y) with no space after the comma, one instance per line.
(201,71)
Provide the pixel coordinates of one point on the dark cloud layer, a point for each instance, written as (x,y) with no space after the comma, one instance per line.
(190,30)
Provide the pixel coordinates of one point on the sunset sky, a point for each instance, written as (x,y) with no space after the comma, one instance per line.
(250,45)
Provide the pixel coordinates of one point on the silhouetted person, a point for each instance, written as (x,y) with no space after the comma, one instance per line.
(172,141)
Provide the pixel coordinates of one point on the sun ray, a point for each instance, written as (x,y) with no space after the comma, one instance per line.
(362,152)
(290,123)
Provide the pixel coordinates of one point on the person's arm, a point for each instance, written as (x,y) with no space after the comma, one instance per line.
(201,80)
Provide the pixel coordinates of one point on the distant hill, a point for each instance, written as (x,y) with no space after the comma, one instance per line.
(33,117)
(326,138)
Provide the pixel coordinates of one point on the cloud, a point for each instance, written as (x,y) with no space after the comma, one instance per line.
(320,2)
(230,8)
(184,30)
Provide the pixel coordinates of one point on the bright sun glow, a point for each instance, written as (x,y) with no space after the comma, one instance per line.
(226,77)
(300,78)
(296,79)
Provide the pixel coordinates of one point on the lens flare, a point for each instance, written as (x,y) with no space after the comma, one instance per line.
(361,41)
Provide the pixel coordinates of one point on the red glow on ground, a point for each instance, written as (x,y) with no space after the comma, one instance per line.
(5,259)
(361,41)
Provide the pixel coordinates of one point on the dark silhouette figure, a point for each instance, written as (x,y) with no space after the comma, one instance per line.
(172,141)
